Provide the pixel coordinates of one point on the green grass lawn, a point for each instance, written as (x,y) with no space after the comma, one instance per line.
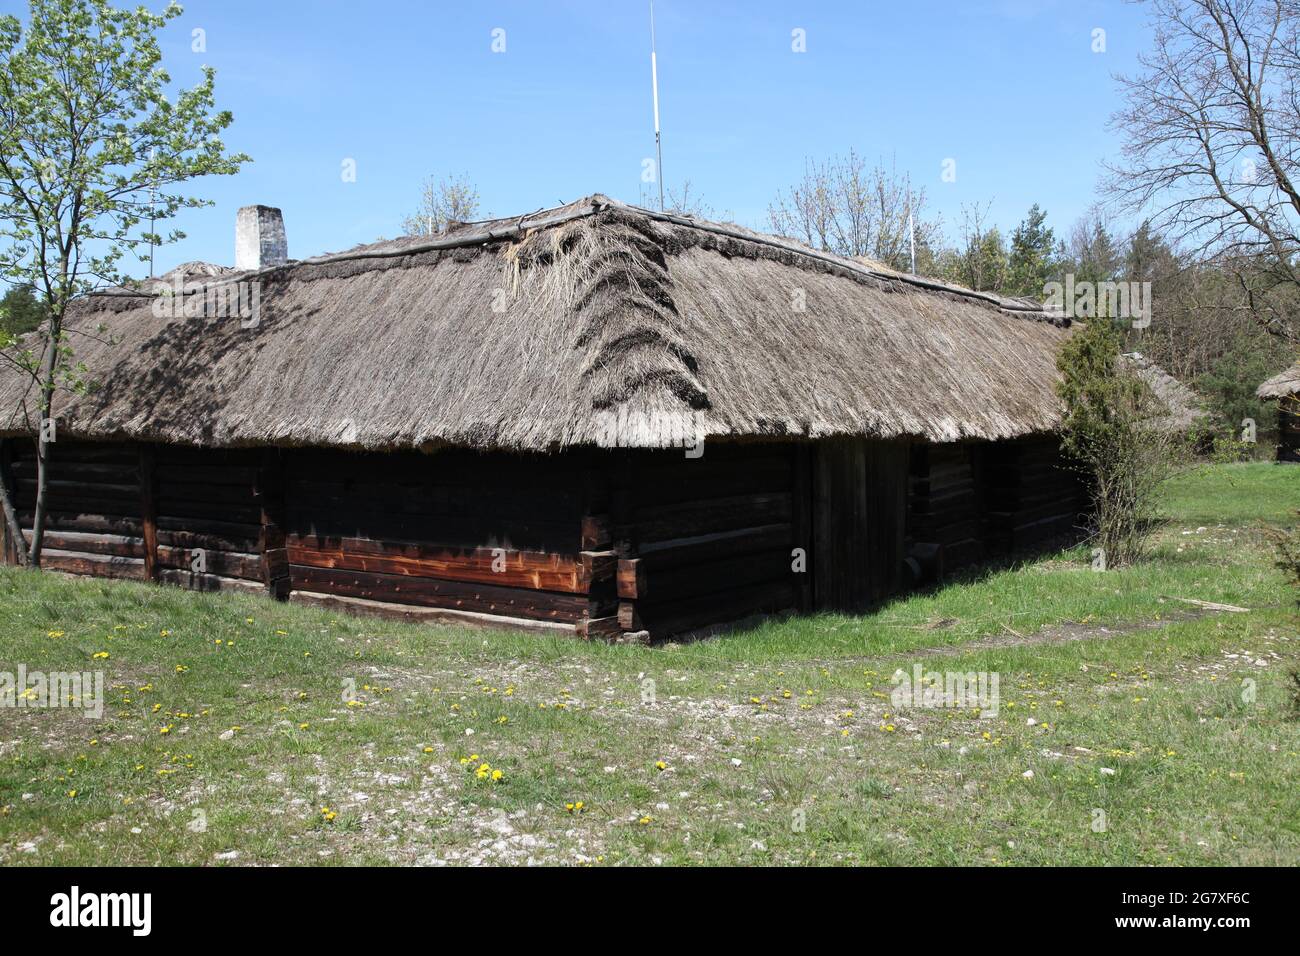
(1133,728)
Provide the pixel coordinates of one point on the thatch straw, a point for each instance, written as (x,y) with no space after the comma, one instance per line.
(595,323)
(1186,409)
(1282,385)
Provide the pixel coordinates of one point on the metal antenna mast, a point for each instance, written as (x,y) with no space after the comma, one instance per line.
(153,201)
(911,230)
(654,82)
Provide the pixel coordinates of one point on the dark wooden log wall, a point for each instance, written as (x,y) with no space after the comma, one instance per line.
(189,517)
(208,515)
(602,544)
(522,537)
(710,539)
(943,511)
(94,520)
(1029,495)
(859,507)
(1288,430)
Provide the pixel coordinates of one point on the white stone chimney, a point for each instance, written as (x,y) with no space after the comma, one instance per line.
(259,238)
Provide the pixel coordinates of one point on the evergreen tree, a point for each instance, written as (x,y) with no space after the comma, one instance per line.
(1029,265)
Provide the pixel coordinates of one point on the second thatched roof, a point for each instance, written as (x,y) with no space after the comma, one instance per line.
(1186,409)
(1283,385)
(594,323)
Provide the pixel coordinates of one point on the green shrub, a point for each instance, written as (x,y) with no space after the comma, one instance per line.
(1107,432)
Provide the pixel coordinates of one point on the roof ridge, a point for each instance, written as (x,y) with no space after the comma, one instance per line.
(514,228)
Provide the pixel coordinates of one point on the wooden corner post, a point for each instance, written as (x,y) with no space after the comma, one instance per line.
(271,544)
(149,512)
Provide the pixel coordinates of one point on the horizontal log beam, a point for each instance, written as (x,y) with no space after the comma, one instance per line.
(521,569)
(600,628)
(207,582)
(115,545)
(229,564)
(430,592)
(94,565)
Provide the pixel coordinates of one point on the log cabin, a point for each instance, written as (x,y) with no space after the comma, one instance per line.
(1284,388)
(596,420)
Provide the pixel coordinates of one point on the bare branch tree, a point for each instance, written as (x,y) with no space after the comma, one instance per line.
(980,262)
(442,201)
(841,206)
(1212,141)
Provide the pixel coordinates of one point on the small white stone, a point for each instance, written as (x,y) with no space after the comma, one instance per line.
(735,761)
(225,735)
(469,731)
(228,855)
(1028,775)
(963,751)
(1107,771)
(1031,722)
(136,830)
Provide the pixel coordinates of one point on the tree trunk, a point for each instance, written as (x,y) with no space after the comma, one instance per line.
(43,434)
(17,543)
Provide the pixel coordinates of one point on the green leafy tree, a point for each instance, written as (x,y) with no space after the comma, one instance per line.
(1029,265)
(21,311)
(91,146)
(1230,387)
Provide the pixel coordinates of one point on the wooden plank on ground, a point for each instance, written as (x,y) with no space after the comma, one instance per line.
(408,612)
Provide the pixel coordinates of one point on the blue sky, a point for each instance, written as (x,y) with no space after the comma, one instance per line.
(1010,89)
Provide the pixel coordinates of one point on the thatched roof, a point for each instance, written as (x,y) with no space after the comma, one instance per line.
(592,323)
(1282,385)
(1186,408)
